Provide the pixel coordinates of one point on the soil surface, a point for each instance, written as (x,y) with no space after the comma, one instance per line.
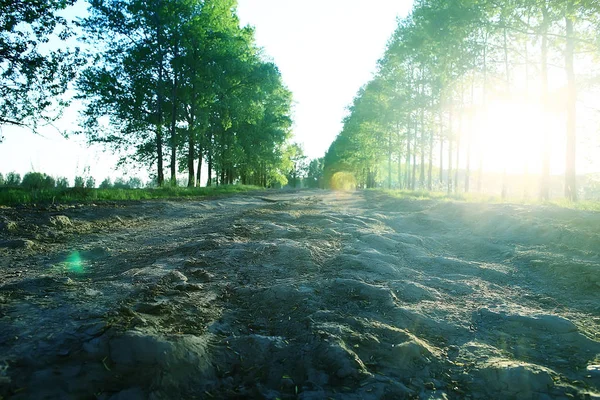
(307,295)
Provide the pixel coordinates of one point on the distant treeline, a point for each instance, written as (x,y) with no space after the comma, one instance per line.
(41,181)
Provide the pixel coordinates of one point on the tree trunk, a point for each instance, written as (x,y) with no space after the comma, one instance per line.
(545,181)
(408,150)
(159,116)
(484,102)
(458,136)
(210,167)
(450,186)
(441,146)
(507,78)
(174,135)
(413,184)
(399,155)
(470,137)
(390,159)
(430,171)
(199,173)
(570,169)
(423,145)
(191,157)
(159,153)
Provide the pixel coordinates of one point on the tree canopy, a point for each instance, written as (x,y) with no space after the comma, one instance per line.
(183,77)
(33,80)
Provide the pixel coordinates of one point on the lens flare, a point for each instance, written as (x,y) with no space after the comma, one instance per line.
(74,263)
(343,181)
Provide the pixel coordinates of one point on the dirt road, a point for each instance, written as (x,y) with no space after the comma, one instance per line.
(308,295)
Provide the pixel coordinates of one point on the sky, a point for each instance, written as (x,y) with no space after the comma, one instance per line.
(325,49)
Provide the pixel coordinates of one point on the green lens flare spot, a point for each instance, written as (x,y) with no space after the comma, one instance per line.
(74,263)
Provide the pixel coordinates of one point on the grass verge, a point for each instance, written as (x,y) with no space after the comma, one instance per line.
(587,205)
(10,196)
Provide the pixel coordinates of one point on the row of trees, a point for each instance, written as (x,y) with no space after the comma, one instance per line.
(181,80)
(38,181)
(175,82)
(444,62)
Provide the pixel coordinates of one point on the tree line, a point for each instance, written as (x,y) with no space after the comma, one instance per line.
(41,181)
(170,84)
(411,126)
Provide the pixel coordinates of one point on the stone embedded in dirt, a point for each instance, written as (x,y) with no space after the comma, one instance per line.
(342,361)
(60,221)
(192,262)
(174,277)
(17,244)
(409,353)
(169,362)
(412,292)
(94,329)
(594,370)
(516,379)
(201,274)
(67,281)
(7,225)
(189,287)
(153,309)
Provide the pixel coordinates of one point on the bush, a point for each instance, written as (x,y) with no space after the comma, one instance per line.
(62,183)
(135,183)
(90,182)
(1,179)
(13,179)
(37,180)
(106,184)
(121,184)
(79,182)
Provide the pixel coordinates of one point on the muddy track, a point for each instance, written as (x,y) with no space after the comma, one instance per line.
(306,295)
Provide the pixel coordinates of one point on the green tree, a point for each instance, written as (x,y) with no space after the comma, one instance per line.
(33,81)
(106,184)
(62,183)
(37,180)
(13,179)
(90,182)
(79,182)
(314,174)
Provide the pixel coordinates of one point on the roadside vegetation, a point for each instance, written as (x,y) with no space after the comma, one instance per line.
(10,196)
(584,205)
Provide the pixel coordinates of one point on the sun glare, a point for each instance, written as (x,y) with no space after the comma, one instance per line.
(509,136)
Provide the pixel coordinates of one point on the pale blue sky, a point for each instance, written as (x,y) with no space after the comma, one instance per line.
(326,50)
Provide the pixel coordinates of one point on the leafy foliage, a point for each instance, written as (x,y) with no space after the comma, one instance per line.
(441,65)
(37,180)
(32,81)
(13,179)
(183,76)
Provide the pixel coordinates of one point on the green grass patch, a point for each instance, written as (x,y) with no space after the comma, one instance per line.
(10,196)
(586,205)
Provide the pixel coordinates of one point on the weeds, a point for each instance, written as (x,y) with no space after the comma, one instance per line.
(587,205)
(10,196)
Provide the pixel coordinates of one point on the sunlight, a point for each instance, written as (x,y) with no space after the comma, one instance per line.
(343,181)
(510,135)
